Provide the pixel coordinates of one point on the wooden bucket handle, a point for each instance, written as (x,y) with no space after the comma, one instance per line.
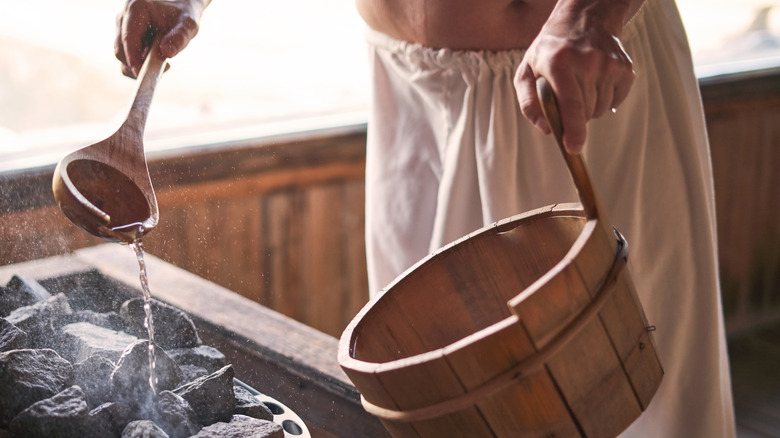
(574,162)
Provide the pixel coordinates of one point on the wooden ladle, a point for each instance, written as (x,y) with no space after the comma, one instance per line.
(105,187)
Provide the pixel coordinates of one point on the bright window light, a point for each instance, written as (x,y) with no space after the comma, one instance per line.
(256,68)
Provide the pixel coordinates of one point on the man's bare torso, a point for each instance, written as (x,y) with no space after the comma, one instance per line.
(459,24)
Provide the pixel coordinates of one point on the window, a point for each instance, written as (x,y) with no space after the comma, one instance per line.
(257,68)
(729,36)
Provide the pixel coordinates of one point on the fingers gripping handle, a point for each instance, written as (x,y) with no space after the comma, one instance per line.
(574,162)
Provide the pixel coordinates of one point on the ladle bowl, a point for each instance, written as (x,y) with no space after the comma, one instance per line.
(105,188)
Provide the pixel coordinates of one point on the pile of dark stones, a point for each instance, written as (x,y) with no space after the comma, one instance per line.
(71,366)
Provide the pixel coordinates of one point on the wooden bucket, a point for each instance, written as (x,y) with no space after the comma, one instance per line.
(529,327)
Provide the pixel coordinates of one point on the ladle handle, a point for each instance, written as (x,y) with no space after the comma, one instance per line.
(574,162)
(149,75)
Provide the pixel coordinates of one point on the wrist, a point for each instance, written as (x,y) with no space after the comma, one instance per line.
(204,4)
(195,7)
(610,15)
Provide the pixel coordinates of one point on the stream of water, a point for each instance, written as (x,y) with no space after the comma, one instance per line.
(138,248)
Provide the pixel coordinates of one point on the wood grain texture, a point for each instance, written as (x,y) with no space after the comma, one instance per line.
(743,120)
(531,404)
(433,350)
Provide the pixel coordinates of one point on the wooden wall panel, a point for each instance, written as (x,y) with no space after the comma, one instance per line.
(743,119)
(284,235)
(283,252)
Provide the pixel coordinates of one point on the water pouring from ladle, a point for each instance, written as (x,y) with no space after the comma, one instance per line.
(105,188)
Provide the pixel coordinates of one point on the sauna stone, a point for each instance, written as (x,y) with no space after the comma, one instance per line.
(174,415)
(82,340)
(143,429)
(130,378)
(94,380)
(172,327)
(93,375)
(109,419)
(89,290)
(192,372)
(109,320)
(39,320)
(202,356)
(65,415)
(11,336)
(242,426)
(28,376)
(21,292)
(247,404)
(212,396)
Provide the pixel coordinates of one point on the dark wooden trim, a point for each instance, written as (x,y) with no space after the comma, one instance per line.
(244,158)
(27,189)
(752,89)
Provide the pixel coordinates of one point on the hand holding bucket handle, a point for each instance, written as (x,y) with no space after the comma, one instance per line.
(574,162)
(539,369)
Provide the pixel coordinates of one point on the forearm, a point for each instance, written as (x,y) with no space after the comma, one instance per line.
(610,15)
(201,5)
